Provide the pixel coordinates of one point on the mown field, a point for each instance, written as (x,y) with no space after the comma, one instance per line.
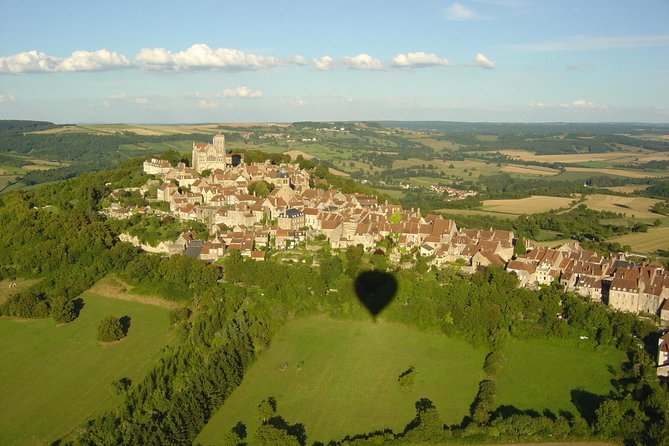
(348,383)
(535,376)
(639,207)
(529,205)
(54,377)
(646,242)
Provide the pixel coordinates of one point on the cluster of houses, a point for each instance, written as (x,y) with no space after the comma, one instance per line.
(453,193)
(625,285)
(294,212)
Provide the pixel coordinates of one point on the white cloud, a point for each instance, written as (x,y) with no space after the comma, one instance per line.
(481,61)
(206,105)
(140,101)
(585,43)
(241,92)
(362,62)
(201,56)
(298,60)
(324,63)
(458,12)
(7,97)
(39,62)
(418,60)
(584,105)
(579,104)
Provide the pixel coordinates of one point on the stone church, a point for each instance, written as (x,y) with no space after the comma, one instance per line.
(213,156)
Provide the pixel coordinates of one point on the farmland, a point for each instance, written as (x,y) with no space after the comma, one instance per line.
(646,242)
(68,374)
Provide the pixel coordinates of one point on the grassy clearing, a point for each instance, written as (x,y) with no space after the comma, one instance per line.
(21,285)
(646,242)
(529,205)
(348,383)
(639,207)
(54,378)
(628,188)
(535,376)
(529,170)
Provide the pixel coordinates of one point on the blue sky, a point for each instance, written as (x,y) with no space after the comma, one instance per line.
(220,61)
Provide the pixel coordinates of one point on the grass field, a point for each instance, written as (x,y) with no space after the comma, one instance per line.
(637,206)
(348,384)
(535,376)
(529,205)
(631,155)
(646,242)
(53,378)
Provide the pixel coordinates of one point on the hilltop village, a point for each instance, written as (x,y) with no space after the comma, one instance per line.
(215,190)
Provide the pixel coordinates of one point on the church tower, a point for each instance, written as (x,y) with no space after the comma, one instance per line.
(219,142)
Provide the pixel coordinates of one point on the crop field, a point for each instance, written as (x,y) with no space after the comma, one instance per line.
(535,376)
(529,205)
(505,216)
(632,155)
(620,172)
(639,207)
(55,377)
(628,188)
(646,242)
(529,170)
(348,383)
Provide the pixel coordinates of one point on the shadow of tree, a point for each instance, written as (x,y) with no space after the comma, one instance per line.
(125,324)
(586,403)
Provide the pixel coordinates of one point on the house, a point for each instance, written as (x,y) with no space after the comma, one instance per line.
(663,355)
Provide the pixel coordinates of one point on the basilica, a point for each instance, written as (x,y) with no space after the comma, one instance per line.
(213,156)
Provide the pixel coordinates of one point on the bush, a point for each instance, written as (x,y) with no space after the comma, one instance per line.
(110,329)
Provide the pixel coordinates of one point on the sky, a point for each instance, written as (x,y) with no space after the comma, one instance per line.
(145,61)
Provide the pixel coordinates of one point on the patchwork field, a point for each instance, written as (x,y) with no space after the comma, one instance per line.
(646,242)
(535,376)
(639,207)
(348,383)
(620,172)
(529,170)
(529,205)
(54,377)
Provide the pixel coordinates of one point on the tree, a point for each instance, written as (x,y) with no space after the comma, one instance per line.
(321,171)
(110,329)
(63,310)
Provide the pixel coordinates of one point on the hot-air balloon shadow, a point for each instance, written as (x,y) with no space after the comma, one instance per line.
(376,290)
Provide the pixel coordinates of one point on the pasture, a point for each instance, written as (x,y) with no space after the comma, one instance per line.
(55,377)
(646,242)
(535,377)
(348,383)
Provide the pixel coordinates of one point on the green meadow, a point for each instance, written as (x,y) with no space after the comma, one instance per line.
(55,377)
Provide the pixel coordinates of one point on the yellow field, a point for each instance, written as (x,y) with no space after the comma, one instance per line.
(646,242)
(628,188)
(620,172)
(530,205)
(435,144)
(628,156)
(529,170)
(637,206)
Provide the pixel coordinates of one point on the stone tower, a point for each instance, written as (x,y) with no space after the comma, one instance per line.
(219,142)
